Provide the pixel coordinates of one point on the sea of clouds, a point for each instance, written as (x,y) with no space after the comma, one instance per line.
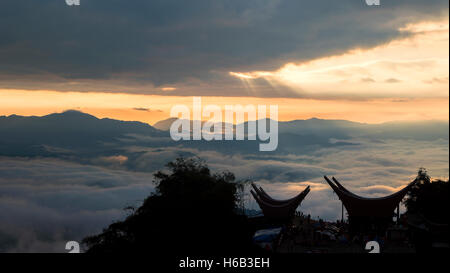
(45,202)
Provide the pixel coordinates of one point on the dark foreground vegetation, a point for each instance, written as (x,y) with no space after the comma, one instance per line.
(429,198)
(428,205)
(192,211)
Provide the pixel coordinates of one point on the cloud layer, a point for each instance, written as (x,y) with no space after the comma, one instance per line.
(141,47)
(45,203)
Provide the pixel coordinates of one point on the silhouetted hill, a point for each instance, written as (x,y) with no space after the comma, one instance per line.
(336,128)
(70,129)
(72,121)
(418,130)
(164,124)
(343,129)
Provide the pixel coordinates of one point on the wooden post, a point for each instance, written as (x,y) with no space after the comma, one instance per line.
(342,213)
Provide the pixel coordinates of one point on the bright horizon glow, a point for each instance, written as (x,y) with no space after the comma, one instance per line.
(153,108)
(412,67)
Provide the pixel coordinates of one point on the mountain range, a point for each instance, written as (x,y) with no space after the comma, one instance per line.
(73,133)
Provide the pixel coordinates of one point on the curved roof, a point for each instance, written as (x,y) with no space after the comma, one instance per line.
(363,206)
(262,194)
(277,209)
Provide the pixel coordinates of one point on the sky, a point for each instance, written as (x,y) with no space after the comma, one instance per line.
(342,60)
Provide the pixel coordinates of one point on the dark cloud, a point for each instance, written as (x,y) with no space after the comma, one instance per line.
(436,80)
(146,109)
(116,45)
(392,80)
(368,79)
(142,109)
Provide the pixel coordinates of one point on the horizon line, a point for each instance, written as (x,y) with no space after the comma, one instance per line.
(281,121)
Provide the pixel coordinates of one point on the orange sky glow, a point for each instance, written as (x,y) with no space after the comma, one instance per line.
(406,79)
(152,108)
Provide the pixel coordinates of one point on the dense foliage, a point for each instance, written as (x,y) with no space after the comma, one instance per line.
(429,198)
(192,210)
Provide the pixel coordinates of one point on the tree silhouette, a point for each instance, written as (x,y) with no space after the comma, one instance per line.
(429,198)
(191,211)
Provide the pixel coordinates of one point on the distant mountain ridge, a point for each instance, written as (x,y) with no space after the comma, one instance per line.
(73,120)
(83,124)
(420,130)
(164,125)
(69,129)
(85,134)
